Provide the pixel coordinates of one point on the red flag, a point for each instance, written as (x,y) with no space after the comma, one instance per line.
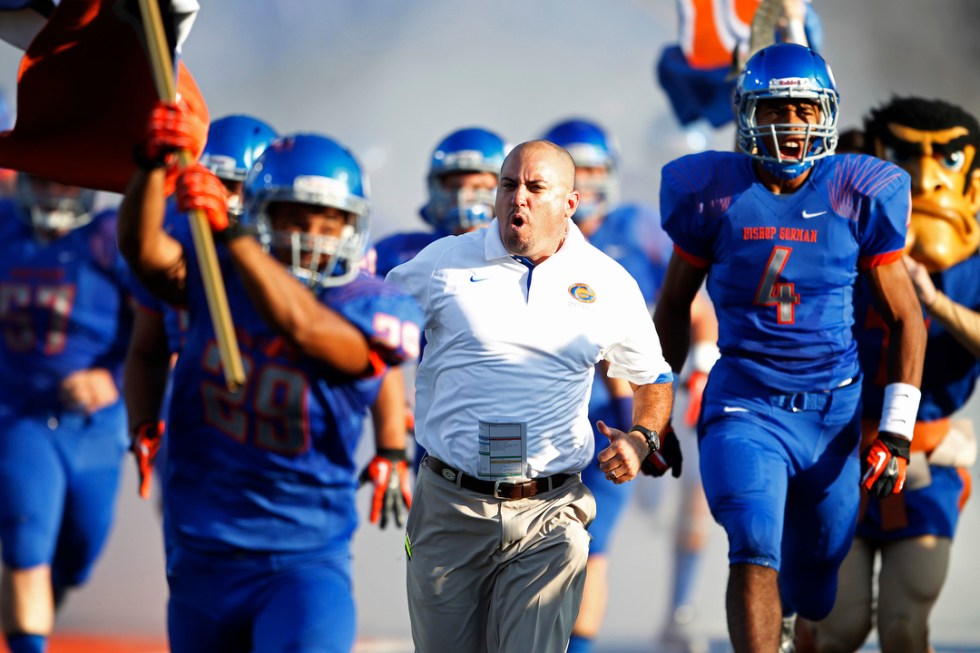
(84,93)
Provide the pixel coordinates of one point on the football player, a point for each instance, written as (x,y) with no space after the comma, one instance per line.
(781,231)
(259,494)
(66,319)
(234,142)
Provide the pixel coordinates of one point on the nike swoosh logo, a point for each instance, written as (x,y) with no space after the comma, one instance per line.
(882,457)
(475,278)
(875,468)
(807,216)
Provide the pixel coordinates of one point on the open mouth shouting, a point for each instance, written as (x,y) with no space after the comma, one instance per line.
(792,149)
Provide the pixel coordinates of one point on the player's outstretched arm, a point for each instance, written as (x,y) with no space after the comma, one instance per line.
(704,353)
(899,306)
(144,379)
(387,472)
(156,258)
(294,311)
(672,316)
(884,461)
(284,303)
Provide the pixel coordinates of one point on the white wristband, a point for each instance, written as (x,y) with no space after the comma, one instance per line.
(899,408)
(704,354)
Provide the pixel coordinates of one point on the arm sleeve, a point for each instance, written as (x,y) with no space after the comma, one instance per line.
(682,215)
(637,357)
(390,319)
(885,223)
(413,277)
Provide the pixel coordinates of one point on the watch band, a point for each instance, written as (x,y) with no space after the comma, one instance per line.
(652,437)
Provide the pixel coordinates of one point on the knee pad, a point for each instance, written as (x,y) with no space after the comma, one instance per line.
(753,540)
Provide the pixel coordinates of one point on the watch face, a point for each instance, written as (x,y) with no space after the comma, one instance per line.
(652,437)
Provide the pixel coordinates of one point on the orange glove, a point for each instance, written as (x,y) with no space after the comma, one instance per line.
(884,464)
(199,189)
(147,438)
(695,392)
(168,131)
(392,497)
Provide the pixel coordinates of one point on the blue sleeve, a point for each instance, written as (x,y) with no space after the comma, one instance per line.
(388,317)
(682,212)
(884,191)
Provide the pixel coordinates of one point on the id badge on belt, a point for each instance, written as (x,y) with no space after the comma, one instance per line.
(503,449)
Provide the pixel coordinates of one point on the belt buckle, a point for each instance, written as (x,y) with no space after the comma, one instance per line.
(496,489)
(798,402)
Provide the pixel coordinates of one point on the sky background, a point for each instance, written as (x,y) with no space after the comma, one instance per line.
(390,78)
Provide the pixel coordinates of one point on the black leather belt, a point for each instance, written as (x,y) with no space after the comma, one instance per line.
(496,489)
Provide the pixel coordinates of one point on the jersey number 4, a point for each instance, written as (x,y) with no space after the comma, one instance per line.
(773,292)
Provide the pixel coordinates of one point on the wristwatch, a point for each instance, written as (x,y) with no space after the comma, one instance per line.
(652,437)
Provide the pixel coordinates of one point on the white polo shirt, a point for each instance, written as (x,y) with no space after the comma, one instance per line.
(505,343)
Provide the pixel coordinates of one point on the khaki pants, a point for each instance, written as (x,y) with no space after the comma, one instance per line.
(488,575)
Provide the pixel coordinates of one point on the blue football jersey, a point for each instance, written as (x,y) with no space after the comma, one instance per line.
(271,466)
(64,307)
(783,267)
(620,236)
(396,249)
(950,371)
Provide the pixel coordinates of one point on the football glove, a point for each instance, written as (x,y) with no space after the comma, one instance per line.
(199,189)
(392,496)
(146,440)
(668,456)
(883,465)
(168,131)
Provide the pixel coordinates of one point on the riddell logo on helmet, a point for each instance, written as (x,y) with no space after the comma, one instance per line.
(797,82)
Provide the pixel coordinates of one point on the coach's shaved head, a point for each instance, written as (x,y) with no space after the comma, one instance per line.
(535,198)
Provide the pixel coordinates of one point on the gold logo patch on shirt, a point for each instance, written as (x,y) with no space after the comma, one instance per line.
(582,292)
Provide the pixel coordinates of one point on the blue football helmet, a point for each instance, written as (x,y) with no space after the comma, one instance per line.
(466,150)
(234,143)
(785,71)
(310,169)
(590,147)
(52,206)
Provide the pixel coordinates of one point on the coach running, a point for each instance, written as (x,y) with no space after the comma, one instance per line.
(516,317)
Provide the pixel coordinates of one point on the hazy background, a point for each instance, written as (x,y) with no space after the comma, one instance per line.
(390,78)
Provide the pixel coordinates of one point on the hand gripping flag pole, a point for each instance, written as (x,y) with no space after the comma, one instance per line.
(161,66)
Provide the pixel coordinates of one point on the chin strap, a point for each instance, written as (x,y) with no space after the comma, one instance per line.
(787,171)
